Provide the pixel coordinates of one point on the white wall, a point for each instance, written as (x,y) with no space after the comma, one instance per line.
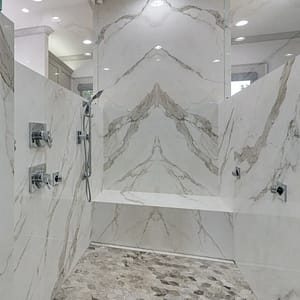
(270,52)
(31,48)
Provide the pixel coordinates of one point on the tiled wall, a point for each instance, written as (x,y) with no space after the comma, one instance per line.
(6,153)
(52,227)
(262,136)
(161,89)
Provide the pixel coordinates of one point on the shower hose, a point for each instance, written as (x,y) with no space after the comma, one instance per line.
(87,146)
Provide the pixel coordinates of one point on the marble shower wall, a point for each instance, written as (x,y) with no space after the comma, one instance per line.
(161,93)
(6,153)
(261,135)
(52,227)
(187,231)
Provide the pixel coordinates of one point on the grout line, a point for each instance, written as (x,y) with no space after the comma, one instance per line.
(97,244)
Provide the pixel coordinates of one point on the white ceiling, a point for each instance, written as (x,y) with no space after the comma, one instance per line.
(75,26)
(265,16)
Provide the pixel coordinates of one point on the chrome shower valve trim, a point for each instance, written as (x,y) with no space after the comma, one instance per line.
(39,136)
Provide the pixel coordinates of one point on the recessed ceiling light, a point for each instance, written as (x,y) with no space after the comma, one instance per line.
(88,54)
(87,42)
(25,10)
(241,23)
(55,19)
(37,0)
(106,69)
(216,60)
(158,47)
(239,39)
(289,54)
(157,3)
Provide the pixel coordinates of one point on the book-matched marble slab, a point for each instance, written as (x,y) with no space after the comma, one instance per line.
(161,90)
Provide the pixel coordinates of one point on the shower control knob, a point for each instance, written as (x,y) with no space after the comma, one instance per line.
(280,189)
(56,178)
(39,136)
(48,138)
(237,173)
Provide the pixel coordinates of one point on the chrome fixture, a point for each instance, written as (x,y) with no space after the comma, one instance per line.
(56,178)
(280,189)
(39,178)
(39,136)
(237,173)
(84,137)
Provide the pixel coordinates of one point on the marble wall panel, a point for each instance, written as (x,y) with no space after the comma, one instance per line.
(161,90)
(192,232)
(52,227)
(261,136)
(6,153)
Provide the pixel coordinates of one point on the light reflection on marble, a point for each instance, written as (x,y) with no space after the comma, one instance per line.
(160,93)
(110,273)
(6,153)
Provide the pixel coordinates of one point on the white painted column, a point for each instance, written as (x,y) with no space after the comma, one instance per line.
(31,48)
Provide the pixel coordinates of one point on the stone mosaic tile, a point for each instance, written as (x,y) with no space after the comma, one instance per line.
(118,274)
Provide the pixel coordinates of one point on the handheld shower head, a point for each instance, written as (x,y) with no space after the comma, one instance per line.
(97,95)
(87,141)
(87,104)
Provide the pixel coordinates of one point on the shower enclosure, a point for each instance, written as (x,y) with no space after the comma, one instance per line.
(178,165)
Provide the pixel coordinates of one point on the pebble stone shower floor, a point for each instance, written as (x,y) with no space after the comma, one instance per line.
(118,274)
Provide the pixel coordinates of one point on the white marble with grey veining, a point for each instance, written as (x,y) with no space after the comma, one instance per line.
(52,227)
(262,138)
(206,203)
(261,135)
(160,131)
(195,232)
(6,153)
(161,94)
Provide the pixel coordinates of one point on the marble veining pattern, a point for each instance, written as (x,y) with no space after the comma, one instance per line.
(195,232)
(6,153)
(157,95)
(261,135)
(185,123)
(251,154)
(109,273)
(52,227)
(193,11)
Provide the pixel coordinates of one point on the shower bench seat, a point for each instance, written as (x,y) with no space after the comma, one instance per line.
(189,225)
(195,202)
